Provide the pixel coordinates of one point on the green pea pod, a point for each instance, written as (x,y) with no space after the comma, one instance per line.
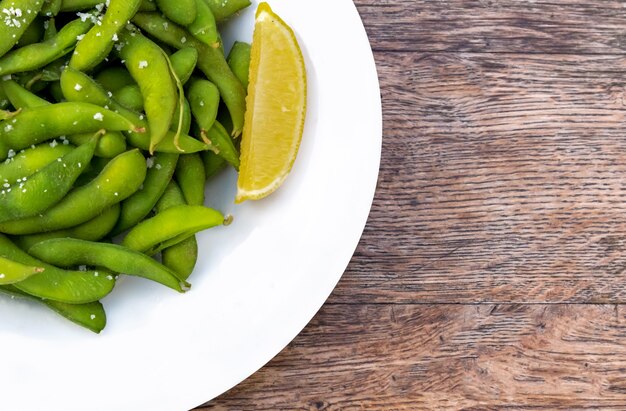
(204,99)
(184,63)
(111,144)
(182,12)
(28,162)
(138,206)
(33,34)
(67,252)
(121,178)
(239,61)
(181,257)
(170,227)
(93,230)
(218,138)
(46,187)
(98,42)
(91,92)
(211,62)
(224,9)
(36,56)
(12,272)
(20,97)
(150,68)
(114,78)
(204,27)
(191,178)
(51,7)
(90,316)
(73,287)
(213,163)
(17,15)
(130,97)
(32,126)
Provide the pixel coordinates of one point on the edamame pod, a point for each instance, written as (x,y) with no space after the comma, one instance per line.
(239,61)
(110,144)
(182,12)
(212,163)
(180,257)
(211,62)
(191,178)
(20,97)
(51,8)
(32,35)
(80,5)
(46,187)
(28,162)
(17,15)
(36,56)
(73,287)
(93,230)
(218,138)
(130,97)
(150,68)
(204,27)
(224,9)
(204,99)
(121,178)
(161,168)
(90,315)
(114,78)
(170,227)
(184,63)
(98,42)
(50,28)
(67,252)
(32,126)
(12,272)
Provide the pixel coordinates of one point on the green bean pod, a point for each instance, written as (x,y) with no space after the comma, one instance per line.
(111,144)
(32,126)
(138,206)
(182,12)
(224,9)
(150,68)
(191,178)
(90,316)
(67,252)
(93,230)
(17,15)
(46,187)
(121,178)
(181,257)
(91,92)
(213,163)
(20,97)
(36,56)
(170,227)
(73,287)
(211,62)
(28,162)
(98,42)
(204,27)
(239,61)
(12,272)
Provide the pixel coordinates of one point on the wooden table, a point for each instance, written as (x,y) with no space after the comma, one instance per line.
(492,269)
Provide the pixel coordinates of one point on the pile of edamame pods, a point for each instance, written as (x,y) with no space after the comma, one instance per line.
(113,115)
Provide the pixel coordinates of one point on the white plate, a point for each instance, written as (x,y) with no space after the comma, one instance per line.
(258,282)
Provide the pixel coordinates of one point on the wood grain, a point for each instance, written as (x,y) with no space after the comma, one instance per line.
(493,268)
(500,26)
(447,357)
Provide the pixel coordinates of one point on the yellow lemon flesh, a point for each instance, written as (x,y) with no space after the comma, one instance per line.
(276,107)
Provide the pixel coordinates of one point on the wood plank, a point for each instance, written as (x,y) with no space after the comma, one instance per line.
(503,179)
(528,26)
(411,357)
